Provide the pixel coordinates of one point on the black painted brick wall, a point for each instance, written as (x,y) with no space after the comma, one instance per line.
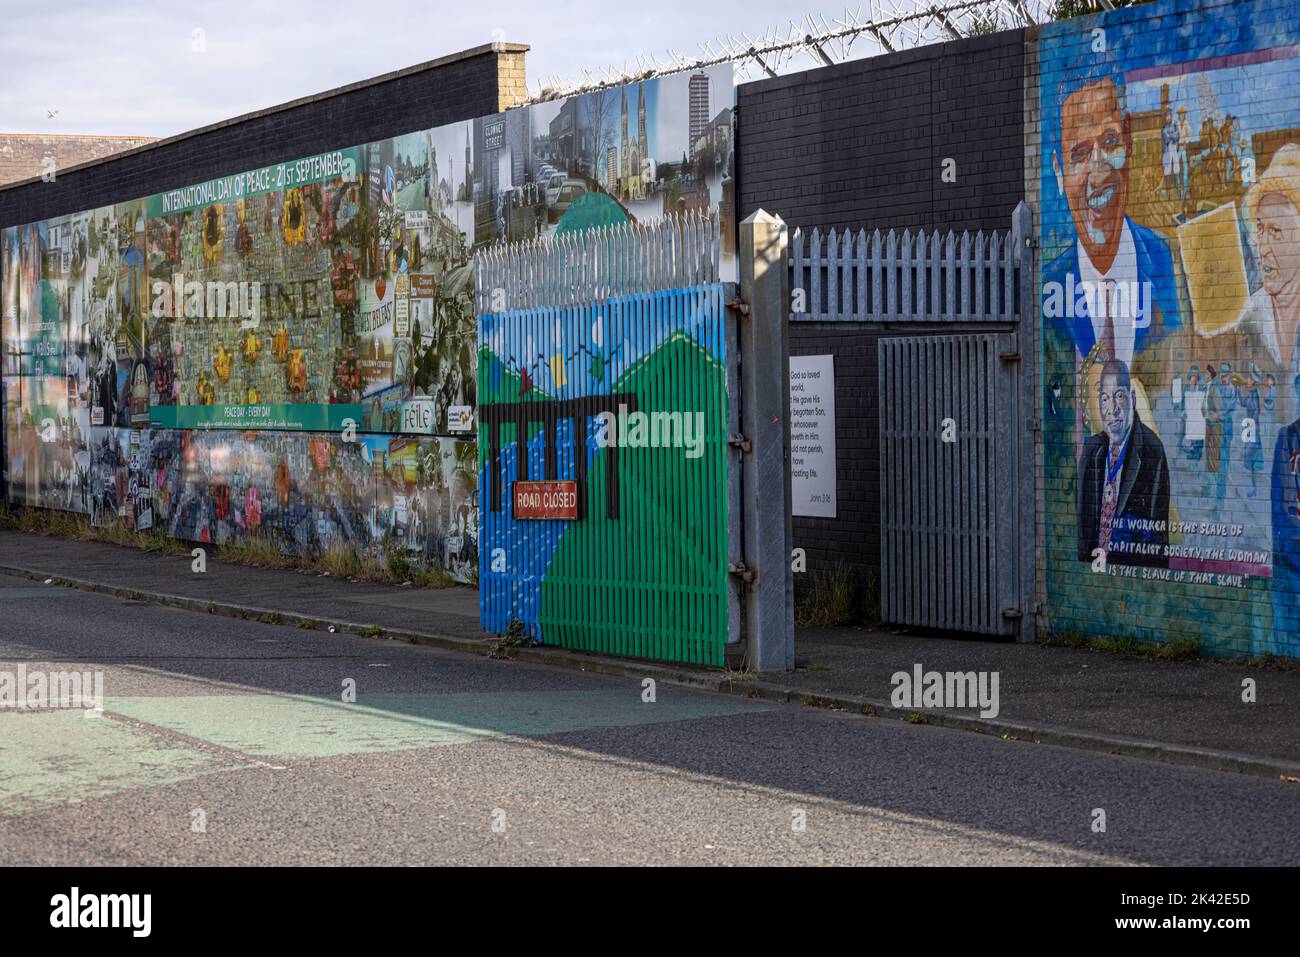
(461,89)
(853,536)
(862,143)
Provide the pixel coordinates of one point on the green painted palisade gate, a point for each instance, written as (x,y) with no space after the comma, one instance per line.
(620,398)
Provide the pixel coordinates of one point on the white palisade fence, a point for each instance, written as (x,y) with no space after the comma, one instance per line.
(605,262)
(908,276)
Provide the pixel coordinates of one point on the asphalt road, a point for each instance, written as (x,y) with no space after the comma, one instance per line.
(225,742)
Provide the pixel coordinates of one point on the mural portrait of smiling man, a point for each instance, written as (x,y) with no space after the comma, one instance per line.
(1115,288)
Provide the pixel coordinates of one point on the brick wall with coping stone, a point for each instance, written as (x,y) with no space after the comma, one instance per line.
(457,87)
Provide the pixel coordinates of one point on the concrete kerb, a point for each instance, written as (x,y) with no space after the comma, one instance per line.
(265,616)
(723,682)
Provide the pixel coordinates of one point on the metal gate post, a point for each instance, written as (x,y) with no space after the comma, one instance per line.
(765,421)
(1022,234)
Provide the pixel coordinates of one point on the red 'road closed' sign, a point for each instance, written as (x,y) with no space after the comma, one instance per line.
(546,499)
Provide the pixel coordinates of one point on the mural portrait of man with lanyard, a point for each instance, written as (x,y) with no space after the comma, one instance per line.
(1123,481)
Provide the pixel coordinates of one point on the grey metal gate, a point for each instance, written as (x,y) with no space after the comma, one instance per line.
(957,412)
(949,519)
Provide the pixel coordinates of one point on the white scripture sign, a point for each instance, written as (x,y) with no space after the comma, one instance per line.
(812,435)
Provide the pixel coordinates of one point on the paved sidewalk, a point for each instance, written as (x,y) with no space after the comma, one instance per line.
(1187,712)
(447,611)
(1193,704)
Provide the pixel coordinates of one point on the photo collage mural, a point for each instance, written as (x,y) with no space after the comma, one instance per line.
(290,352)
(1171,325)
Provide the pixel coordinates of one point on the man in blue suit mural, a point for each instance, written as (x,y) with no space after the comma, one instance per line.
(1116,286)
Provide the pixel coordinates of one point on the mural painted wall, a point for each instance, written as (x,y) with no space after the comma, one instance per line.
(1170,178)
(317,317)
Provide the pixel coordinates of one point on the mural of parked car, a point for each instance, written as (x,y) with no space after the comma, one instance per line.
(568,193)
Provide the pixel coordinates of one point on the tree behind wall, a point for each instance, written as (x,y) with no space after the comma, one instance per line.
(1065,9)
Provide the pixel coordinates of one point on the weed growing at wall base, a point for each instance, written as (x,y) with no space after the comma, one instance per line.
(339,560)
(836,598)
(61,524)
(1172,648)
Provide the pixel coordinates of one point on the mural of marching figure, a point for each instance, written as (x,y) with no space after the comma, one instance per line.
(1170,186)
(602,444)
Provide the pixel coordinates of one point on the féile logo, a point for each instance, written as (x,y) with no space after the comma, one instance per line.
(103,910)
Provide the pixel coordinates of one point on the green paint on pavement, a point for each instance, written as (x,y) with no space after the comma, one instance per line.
(59,757)
(56,757)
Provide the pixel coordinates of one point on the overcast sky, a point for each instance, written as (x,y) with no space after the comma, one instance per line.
(130,67)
